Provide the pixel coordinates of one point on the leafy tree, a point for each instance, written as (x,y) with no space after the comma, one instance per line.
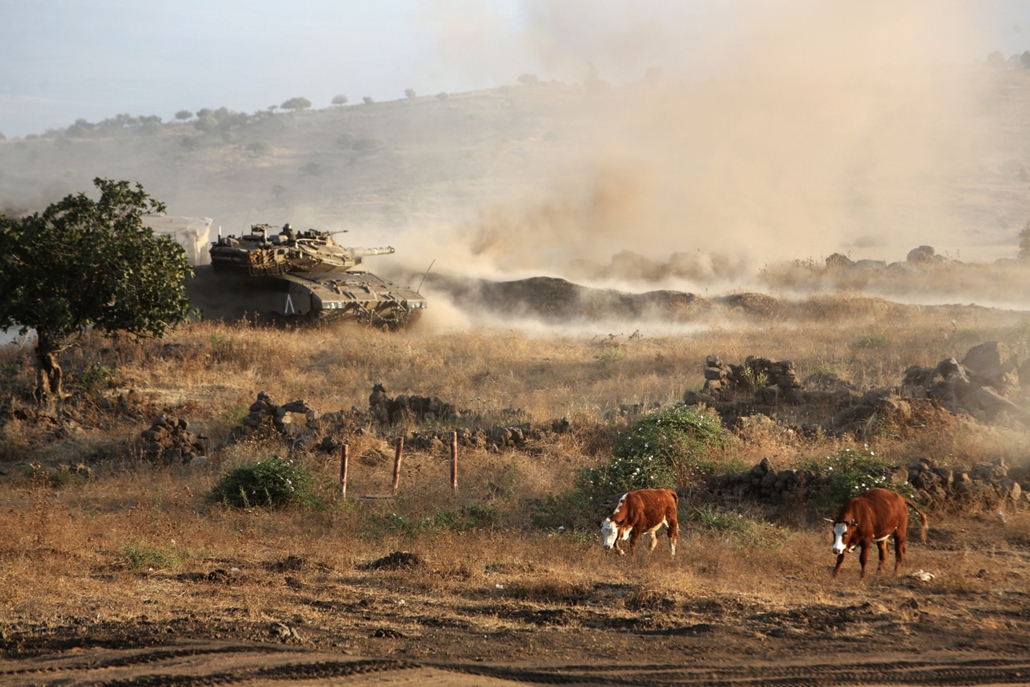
(84,263)
(367,100)
(1024,241)
(339,99)
(183,114)
(296,104)
(1024,59)
(409,93)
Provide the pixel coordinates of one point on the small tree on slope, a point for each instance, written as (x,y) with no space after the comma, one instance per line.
(85,263)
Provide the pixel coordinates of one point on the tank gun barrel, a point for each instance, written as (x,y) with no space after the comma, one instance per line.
(364,252)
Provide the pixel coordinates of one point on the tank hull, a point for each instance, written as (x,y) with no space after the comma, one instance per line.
(304,298)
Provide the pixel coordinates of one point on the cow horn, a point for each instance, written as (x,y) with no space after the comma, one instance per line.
(829,519)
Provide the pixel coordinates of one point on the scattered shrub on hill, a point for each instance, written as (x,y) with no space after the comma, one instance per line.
(183,115)
(312,168)
(273,482)
(190,142)
(1024,241)
(260,148)
(409,93)
(367,100)
(441,96)
(339,99)
(345,140)
(206,123)
(296,104)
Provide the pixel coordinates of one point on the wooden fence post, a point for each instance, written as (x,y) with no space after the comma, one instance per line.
(454,462)
(343,471)
(397,464)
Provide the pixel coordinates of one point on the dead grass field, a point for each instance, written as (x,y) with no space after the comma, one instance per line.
(133,572)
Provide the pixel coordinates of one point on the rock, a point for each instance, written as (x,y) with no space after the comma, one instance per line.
(988,355)
(922,255)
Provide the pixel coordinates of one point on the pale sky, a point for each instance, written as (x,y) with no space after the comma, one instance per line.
(66,59)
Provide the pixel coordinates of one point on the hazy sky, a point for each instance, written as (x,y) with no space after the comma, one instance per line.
(66,59)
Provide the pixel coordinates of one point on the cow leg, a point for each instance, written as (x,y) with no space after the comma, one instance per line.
(633,540)
(674,535)
(840,561)
(654,540)
(882,547)
(899,550)
(863,557)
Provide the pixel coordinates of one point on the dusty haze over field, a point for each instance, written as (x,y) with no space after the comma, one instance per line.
(718,137)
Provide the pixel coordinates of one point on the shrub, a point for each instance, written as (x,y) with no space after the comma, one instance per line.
(206,123)
(259,148)
(183,115)
(409,93)
(851,472)
(97,377)
(441,96)
(273,482)
(673,444)
(367,100)
(666,447)
(296,104)
(141,555)
(1024,241)
(339,99)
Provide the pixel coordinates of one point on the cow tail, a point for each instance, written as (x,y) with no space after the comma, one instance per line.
(922,516)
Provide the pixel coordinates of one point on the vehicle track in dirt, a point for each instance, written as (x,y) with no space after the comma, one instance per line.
(198,663)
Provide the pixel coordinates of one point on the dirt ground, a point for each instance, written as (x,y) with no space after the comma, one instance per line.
(647,620)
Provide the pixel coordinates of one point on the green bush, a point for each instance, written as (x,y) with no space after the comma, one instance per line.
(141,555)
(97,377)
(667,447)
(273,482)
(870,341)
(851,472)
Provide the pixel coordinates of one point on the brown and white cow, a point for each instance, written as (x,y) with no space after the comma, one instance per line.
(873,516)
(644,510)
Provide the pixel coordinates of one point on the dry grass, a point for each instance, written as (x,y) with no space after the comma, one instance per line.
(85,550)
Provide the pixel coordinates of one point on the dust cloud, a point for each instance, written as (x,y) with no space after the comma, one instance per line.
(732,135)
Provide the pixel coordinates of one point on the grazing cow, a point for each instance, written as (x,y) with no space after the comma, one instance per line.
(644,510)
(873,516)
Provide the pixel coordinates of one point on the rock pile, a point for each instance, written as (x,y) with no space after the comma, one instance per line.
(983,485)
(169,440)
(403,409)
(263,413)
(985,385)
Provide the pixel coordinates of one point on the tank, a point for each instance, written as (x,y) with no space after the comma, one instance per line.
(303,277)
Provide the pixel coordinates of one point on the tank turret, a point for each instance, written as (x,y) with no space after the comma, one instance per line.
(308,276)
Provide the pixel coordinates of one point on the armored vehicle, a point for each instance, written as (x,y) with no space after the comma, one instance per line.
(300,277)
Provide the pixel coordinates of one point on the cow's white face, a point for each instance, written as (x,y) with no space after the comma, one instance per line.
(609,533)
(840,530)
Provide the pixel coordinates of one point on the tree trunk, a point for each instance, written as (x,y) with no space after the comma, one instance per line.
(49,375)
